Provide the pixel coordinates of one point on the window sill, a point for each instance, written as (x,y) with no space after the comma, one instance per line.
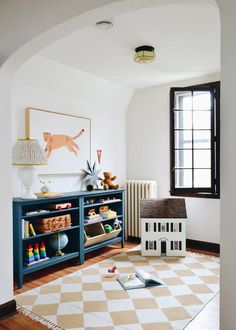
(195,194)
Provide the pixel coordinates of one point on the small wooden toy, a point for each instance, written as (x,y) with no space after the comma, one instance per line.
(112,269)
(36,252)
(29,256)
(59,206)
(106,213)
(91,212)
(42,251)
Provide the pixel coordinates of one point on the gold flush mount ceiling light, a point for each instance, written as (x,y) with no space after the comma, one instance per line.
(144,54)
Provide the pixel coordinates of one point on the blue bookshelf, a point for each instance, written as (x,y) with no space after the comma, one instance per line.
(81,203)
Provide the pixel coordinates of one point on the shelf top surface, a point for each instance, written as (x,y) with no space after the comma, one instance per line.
(72,195)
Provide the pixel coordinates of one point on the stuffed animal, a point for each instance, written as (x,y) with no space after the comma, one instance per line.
(107,181)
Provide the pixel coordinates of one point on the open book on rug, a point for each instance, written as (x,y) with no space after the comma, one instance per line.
(139,279)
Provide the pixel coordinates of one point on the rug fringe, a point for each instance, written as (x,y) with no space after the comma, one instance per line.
(38,318)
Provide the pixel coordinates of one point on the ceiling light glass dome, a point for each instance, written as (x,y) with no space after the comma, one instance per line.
(144,54)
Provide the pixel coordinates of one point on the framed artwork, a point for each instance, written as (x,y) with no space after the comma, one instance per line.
(66,139)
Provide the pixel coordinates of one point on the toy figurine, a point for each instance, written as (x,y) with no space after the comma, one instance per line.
(42,251)
(116,224)
(112,270)
(107,228)
(36,252)
(29,256)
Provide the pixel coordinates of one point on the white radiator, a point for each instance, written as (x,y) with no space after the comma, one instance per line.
(136,190)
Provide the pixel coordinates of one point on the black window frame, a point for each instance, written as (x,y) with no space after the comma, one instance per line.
(203,192)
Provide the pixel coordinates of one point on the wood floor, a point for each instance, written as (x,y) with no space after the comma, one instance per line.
(207,319)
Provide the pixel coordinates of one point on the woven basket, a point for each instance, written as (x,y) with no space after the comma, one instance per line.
(52,224)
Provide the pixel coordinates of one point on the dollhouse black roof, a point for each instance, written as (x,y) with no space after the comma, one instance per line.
(173,208)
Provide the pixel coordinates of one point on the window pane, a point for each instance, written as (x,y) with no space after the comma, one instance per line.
(183,139)
(202,178)
(183,119)
(183,158)
(201,119)
(202,139)
(183,178)
(202,158)
(183,100)
(201,100)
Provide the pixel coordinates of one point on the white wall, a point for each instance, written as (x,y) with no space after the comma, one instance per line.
(6,267)
(228,166)
(45,84)
(147,154)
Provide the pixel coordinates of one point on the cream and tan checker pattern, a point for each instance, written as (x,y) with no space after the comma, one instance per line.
(87,299)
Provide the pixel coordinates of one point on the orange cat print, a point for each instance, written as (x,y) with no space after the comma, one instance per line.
(56,141)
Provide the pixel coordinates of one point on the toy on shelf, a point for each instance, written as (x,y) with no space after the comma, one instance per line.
(42,251)
(92,216)
(29,255)
(107,181)
(106,213)
(89,201)
(36,252)
(35,255)
(116,224)
(60,206)
(107,228)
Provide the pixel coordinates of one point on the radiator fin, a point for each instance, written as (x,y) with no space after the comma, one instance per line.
(136,190)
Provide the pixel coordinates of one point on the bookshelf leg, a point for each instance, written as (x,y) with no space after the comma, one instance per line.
(81,259)
(20,281)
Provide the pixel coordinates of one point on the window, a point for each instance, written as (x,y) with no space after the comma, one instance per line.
(195,140)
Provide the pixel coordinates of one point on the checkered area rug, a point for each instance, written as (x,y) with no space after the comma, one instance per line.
(88,299)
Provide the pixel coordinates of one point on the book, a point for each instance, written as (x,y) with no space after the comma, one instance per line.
(36,212)
(31,230)
(138,280)
(26,229)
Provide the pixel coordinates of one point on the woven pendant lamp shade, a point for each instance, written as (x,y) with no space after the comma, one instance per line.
(28,152)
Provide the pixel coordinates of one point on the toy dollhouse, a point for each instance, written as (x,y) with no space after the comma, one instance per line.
(163,227)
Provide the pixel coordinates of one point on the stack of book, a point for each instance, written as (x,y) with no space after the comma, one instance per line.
(27,229)
(93,218)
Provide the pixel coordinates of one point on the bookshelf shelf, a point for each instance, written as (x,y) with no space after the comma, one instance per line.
(91,205)
(49,262)
(78,212)
(50,213)
(103,220)
(51,233)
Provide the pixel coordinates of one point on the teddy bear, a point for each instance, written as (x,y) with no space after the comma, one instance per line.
(107,181)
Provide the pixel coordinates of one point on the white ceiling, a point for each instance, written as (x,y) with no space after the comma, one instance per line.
(186,38)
